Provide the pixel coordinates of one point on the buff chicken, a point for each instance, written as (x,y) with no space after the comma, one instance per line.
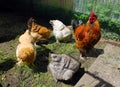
(26,51)
(87,35)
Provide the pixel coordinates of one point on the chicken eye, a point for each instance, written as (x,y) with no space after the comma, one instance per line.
(91,18)
(35,29)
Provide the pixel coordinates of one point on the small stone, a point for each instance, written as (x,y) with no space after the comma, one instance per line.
(63,66)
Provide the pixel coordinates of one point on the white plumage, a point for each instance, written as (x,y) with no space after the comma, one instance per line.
(60,30)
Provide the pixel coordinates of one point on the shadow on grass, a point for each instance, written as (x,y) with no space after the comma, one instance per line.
(76,77)
(52,40)
(1,85)
(6,38)
(6,65)
(70,41)
(42,59)
(49,41)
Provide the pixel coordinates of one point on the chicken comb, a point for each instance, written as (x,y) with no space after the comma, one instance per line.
(92,14)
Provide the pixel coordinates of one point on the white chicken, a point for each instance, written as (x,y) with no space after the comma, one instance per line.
(61,31)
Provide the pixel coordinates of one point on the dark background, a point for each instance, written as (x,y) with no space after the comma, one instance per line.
(29,8)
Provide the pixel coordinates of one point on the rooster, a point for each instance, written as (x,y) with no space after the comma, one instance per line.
(86,36)
(61,31)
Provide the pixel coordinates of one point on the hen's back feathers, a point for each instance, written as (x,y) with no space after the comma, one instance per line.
(26,55)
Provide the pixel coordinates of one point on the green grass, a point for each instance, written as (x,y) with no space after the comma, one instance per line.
(28,76)
(31,76)
(34,76)
(110,35)
(1,53)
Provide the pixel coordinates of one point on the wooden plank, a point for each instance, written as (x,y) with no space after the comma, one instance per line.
(104,72)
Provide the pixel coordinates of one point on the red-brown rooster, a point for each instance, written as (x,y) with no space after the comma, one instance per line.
(87,35)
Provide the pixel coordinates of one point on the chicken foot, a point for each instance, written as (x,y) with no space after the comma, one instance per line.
(83,56)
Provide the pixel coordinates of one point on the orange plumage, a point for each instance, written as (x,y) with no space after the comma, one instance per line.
(26,51)
(87,35)
(27,55)
(37,31)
